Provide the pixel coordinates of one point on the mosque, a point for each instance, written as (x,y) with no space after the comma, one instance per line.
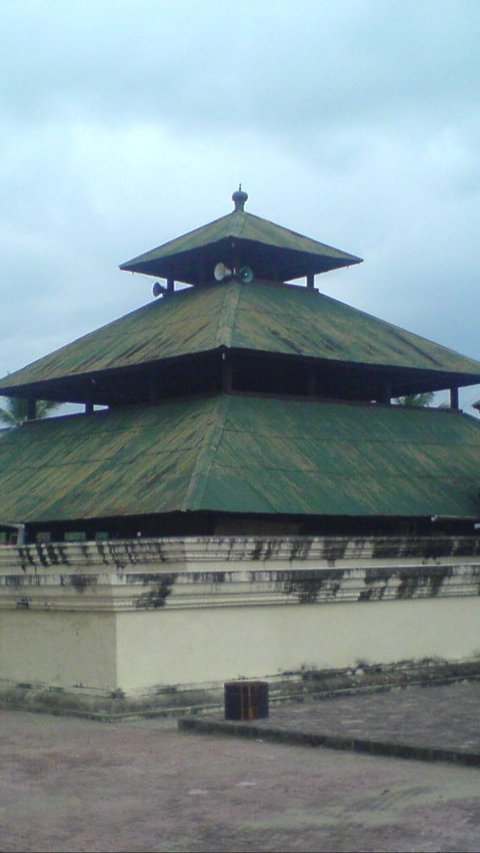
(242,494)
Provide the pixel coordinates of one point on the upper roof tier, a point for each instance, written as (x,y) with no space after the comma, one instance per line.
(274,253)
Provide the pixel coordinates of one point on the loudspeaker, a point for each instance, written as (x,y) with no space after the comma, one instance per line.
(221,271)
(245,274)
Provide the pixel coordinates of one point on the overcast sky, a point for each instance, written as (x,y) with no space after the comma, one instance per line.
(124,124)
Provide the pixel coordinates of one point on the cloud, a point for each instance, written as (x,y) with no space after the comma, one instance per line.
(271,63)
(125,124)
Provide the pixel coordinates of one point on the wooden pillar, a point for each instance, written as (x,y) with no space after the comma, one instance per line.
(454,399)
(227,378)
(170,285)
(153,389)
(31,409)
(88,407)
(310,281)
(311,382)
(385,392)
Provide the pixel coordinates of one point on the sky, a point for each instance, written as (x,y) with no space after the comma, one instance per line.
(124,124)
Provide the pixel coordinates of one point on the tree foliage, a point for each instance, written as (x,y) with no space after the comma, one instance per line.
(424,399)
(15,410)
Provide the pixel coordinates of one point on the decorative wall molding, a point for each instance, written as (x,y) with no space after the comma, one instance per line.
(324,551)
(207,572)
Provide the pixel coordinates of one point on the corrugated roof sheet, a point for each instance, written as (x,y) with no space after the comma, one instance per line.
(274,250)
(259,316)
(243,454)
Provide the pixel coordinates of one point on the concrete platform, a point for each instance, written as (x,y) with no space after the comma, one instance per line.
(427,723)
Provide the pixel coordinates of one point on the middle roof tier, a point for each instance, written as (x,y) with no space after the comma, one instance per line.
(262,327)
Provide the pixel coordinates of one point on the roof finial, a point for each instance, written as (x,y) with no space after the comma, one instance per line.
(239,198)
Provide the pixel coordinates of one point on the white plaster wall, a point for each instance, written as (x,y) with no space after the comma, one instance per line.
(162,647)
(62,649)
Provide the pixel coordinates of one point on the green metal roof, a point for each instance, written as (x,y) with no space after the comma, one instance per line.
(272,251)
(261,317)
(245,455)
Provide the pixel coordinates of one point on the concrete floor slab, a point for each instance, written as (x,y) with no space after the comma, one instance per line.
(431,723)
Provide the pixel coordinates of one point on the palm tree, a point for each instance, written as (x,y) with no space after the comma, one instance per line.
(15,410)
(416,399)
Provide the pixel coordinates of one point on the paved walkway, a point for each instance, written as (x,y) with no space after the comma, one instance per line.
(80,785)
(429,723)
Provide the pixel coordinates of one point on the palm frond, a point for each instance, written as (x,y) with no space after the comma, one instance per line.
(424,399)
(15,410)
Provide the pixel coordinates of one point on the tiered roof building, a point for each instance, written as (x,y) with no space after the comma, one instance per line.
(239,400)
(241,494)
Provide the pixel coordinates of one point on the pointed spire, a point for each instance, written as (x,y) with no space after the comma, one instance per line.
(239,198)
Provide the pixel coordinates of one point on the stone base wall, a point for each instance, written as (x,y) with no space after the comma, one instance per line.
(142,615)
(69,649)
(228,643)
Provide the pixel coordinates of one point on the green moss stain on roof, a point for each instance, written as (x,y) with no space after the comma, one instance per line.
(242,454)
(296,321)
(111,463)
(275,251)
(259,316)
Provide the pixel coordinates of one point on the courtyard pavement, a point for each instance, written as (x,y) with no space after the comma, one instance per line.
(69,784)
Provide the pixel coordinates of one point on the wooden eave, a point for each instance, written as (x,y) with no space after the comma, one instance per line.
(188,375)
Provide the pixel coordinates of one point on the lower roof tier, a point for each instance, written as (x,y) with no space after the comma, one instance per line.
(242,454)
(113,363)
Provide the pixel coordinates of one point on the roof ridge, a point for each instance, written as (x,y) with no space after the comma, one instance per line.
(226,315)
(206,455)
